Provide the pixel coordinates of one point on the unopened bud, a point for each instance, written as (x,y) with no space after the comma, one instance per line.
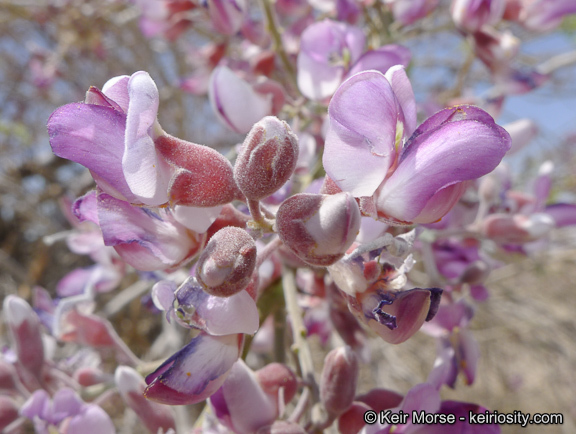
(226,264)
(8,412)
(339,379)
(275,376)
(267,159)
(518,228)
(90,376)
(475,273)
(24,326)
(318,228)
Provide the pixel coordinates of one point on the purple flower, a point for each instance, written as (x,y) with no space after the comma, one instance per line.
(472,15)
(239,104)
(241,404)
(408,11)
(544,15)
(330,51)
(395,315)
(192,307)
(67,412)
(116,135)
(227,16)
(143,239)
(196,371)
(405,180)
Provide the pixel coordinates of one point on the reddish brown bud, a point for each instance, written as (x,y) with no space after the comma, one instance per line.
(274,376)
(8,412)
(203,177)
(318,228)
(267,159)
(339,379)
(225,266)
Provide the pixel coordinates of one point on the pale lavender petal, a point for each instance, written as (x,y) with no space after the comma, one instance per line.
(563,214)
(445,369)
(234,101)
(402,88)
(65,403)
(92,420)
(92,136)
(145,171)
(37,405)
(434,159)
(408,11)
(422,397)
(441,203)
(142,238)
(227,16)
(218,316)
(360,144)
(543,15)
(326,49)
(522,132)
(163,294)
(469,353)
(317,80)
(85,208)
(117,90)
(85,243)
(542,185)
(197,219)
(242,395)
(381,59)
(196,371)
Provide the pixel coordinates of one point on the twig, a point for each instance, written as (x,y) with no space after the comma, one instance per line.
(300,345)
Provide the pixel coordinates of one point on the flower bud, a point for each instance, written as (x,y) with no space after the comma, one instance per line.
(275,376)
(267,159)
(318,228)
(8,412)
(88,376)
(472,15)
(339,379)
(226,264)
(24,326)
(517,229)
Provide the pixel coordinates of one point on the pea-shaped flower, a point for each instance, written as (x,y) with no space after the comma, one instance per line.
(226,264)
(267,158)
(318,228)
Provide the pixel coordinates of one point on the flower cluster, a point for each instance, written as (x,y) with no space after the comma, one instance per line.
(317,222)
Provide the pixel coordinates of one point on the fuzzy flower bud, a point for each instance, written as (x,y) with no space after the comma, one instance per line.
(226,264)
(267,158)
(318,228)
(25,329)
(276,376)
(8,411)
(339,379)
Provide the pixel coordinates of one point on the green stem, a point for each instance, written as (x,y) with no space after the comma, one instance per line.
(277,42)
